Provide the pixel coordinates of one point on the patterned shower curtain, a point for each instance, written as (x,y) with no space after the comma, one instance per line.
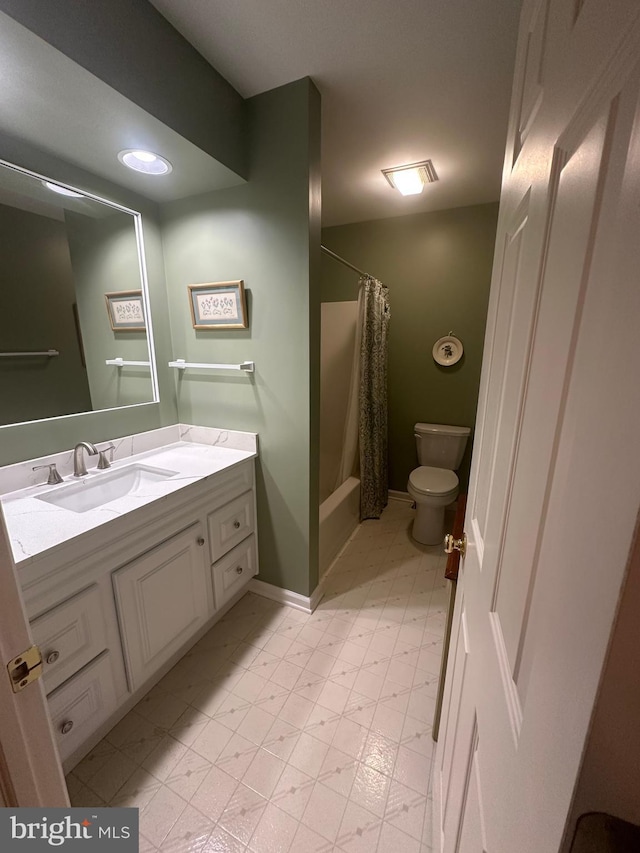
(374,317)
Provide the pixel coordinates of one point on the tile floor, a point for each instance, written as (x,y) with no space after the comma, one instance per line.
(282,731)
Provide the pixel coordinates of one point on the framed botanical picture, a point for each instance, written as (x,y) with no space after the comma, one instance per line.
(126,312)
(218,305)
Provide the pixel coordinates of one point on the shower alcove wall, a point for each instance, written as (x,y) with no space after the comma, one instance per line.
(339,501)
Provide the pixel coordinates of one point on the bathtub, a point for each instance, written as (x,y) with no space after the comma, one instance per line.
(339,517)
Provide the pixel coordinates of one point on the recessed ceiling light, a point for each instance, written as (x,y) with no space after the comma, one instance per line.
(145,161)
(56,188)
(410,179)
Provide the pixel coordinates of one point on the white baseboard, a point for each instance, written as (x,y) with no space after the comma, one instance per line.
(400,496)
(285,596)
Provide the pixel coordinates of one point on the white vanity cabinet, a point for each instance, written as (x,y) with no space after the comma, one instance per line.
(112,610)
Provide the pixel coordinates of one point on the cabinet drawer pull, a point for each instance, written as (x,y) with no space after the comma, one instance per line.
(200,540)
(66,727)
(236,524)
(239,570)
(52,657)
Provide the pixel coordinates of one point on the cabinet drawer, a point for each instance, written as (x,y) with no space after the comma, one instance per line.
(69,636)
(234,570)
(230,524)
(82,704)
(162,599)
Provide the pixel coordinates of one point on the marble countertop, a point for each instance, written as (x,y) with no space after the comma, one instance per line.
(36,526)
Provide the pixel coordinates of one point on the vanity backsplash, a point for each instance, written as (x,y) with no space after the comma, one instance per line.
(21,476)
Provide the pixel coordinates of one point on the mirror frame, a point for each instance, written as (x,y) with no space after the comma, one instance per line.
(146,301)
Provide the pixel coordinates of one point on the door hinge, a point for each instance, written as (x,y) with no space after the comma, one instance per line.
(25,668)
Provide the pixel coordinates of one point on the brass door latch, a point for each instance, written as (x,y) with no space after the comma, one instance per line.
(451,544)
(25,668)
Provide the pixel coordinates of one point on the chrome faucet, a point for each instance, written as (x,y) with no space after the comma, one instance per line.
(54,475)
(103,462)
(79,467)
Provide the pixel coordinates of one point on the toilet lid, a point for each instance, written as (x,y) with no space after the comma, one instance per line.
(433,481)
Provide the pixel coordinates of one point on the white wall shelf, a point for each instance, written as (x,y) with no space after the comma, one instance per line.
(181,364)
(121,362)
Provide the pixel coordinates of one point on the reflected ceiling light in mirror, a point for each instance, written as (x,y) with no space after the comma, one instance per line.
(145,161)
(56,188)
(411,179)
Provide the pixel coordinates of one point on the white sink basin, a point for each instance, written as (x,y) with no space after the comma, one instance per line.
(103,487)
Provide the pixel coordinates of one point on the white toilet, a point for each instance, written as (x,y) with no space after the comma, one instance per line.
(434,485)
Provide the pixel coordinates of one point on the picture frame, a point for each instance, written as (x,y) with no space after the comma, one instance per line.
(218,305)
(126,311)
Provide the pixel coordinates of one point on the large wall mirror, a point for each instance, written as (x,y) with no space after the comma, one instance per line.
(73,297)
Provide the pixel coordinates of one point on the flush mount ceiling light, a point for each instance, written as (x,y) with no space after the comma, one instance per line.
(56,188)
(145,161)
(410,179)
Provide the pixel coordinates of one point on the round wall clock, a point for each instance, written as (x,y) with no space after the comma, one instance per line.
(447,351)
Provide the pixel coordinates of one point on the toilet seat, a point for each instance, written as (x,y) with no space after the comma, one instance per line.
(433,481)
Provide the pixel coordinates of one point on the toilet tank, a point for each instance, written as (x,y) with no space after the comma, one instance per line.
(441,445)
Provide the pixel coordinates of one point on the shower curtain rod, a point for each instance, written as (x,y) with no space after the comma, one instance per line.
(342,261)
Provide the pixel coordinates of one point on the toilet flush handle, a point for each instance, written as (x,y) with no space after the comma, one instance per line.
(451,544)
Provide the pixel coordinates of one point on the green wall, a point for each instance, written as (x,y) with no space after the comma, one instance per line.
(266,233)
(438,270)
(132,48)
(36,313)
(104,257)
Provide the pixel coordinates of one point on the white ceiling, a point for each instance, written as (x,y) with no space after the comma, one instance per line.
(401,81)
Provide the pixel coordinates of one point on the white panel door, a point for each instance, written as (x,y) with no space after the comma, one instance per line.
(163,598)
(555,485)
(30,769)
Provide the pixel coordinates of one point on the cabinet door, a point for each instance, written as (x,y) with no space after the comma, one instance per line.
(162,599)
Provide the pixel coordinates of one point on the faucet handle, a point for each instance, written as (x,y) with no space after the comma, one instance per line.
(103,462)
(54,476)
